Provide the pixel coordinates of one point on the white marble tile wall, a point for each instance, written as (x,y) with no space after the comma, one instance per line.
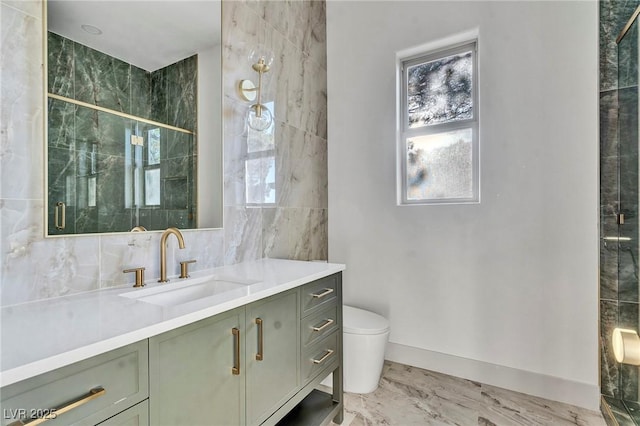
(295,226)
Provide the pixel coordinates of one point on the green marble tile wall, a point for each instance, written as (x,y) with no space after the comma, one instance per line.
(92,164)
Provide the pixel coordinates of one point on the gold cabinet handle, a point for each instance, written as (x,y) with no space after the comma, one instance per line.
(326,324)
(55,412)
(59,215)
(235,370)
(323,359)
(260,354)
(326,292)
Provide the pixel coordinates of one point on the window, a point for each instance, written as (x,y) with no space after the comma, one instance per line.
(152,189)
(260,166)
(438,146)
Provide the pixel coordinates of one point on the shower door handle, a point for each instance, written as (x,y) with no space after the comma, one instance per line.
(59,215)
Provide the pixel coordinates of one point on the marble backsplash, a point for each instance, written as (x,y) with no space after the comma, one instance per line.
(294,226)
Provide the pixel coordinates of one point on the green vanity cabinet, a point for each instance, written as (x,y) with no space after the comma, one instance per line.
(321,354)
(235,368)
(85,393)
(196,373)
(320,351)
(258,364)
(272,353)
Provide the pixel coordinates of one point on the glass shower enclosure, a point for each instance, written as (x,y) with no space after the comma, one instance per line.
(620,233)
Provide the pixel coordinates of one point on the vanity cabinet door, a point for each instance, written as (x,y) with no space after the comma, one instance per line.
(272,353)
(197,373)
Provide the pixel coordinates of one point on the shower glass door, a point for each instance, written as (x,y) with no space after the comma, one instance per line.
(628,249)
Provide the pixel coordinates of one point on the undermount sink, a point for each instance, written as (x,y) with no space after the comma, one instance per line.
(178,293)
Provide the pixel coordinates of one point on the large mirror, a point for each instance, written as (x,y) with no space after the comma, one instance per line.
(134,115)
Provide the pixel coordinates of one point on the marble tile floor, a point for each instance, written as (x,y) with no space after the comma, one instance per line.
(412,396)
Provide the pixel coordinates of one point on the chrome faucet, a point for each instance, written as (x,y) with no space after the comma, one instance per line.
(163,250)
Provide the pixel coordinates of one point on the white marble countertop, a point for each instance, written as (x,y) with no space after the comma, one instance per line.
(41,336)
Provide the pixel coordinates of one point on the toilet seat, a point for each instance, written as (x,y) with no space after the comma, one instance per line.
(359,321)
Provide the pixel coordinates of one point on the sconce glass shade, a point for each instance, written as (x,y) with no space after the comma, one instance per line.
(259,118)
(261,52)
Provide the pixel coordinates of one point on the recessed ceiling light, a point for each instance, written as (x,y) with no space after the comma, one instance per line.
(91,29)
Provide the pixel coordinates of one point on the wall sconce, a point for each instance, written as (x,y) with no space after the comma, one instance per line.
(259,118)
(626,346)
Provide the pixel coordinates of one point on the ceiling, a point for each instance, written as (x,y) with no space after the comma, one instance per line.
(149,34)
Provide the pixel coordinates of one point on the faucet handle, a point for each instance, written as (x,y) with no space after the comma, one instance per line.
(184,268)
(139,275)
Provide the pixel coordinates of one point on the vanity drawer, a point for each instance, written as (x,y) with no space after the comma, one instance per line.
(84,393)
(319,357)
(319,293)
(316,326)
(138,415)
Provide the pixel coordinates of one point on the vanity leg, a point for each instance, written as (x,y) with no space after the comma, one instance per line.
(338,395)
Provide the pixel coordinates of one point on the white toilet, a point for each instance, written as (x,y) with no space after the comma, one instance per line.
(364,341)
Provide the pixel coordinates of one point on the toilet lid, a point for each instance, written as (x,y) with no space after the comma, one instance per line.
(359,321)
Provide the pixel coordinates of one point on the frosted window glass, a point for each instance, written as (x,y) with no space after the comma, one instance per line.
(260,167)
(440,166)
(261,180)
(152,187)
(440,91)
(91,191)
(269,172)
(253,180)
(440,138)
(154,146)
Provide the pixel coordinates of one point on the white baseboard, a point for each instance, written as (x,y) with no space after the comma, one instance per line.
(550,387)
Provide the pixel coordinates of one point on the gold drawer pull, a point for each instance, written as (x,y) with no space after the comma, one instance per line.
(326,292)
(260,354)
(55,412)
(235,370)
(327,355)
(326,324)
